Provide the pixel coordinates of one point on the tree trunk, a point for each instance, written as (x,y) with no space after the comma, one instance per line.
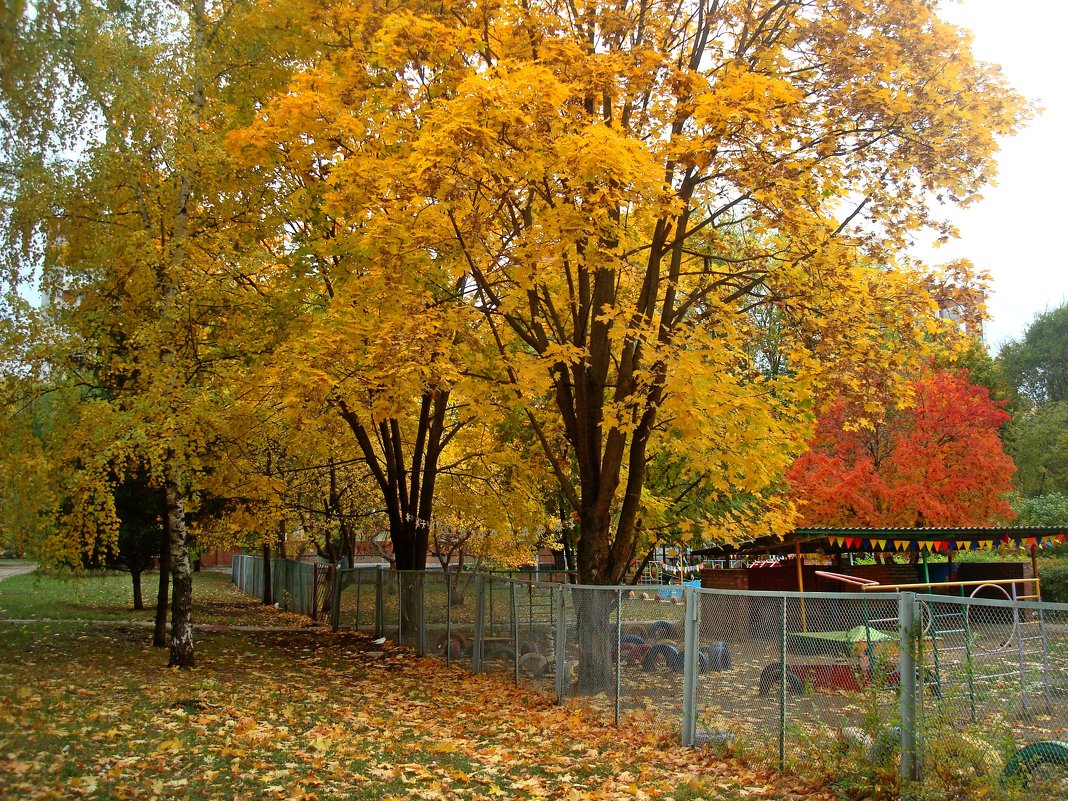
(596,630)
(410,610)
(268,590)
(181,577)
(139,601)
(406,481)
(159,636)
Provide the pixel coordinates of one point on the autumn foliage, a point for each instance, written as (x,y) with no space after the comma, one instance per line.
(937,462)
(354,266)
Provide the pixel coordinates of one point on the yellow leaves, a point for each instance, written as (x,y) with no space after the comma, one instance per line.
(614,165)
(171,746)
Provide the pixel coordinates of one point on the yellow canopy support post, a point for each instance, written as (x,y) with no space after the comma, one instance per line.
(1034,572)
(800,583)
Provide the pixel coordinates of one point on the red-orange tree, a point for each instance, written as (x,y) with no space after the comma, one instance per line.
(938,462)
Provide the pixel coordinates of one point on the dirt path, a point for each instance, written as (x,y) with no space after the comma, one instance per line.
(9,569)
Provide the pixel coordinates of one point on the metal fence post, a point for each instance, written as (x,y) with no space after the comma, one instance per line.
(782,683)
(476,645)
(420,639)
(359,591)
(1019,645)
(618,647)
(380,603)
(448,617)
(515,633)
(560,642)
(691,665)
(335,601)
(401,601)
(906,609)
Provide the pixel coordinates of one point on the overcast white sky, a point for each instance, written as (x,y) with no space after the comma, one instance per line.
(1019,232)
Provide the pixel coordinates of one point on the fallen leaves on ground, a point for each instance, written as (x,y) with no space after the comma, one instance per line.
(314,715)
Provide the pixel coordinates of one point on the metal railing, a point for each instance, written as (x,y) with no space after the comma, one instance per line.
(908,679)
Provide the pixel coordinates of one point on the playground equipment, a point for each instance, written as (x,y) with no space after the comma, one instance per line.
(853,659)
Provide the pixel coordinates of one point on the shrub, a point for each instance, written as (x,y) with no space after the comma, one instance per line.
(1054,581)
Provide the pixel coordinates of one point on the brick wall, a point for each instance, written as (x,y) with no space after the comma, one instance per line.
(727,579)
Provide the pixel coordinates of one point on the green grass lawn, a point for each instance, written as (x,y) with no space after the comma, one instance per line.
(110,597)
(92,711)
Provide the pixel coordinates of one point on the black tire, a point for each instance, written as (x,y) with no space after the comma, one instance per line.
(669,652)
(631,639)
(679,665)
(662,630)
(719,656)
(771,676)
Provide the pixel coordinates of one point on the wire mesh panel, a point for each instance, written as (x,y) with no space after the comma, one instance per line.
(462,597)
(536,616)
(587,668)
(500,627)
(997,700)
(437,616)
(357,598)
(789,672)
(984,693)
(409,610)
(841,671)
(652,647)
(389,601)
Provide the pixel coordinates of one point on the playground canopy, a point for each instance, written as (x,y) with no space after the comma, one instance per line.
(882,540)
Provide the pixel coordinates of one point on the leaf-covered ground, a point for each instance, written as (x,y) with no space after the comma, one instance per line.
(89,710)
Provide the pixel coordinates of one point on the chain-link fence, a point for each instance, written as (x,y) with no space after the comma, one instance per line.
(292,583)
(941,690)
(996,700)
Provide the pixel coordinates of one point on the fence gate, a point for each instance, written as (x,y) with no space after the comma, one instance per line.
(322,590)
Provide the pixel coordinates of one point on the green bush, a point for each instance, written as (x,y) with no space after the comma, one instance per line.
(1054,581)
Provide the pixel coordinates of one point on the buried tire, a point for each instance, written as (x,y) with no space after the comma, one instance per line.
(719,656)
(771,676)
(500,654)
(457,642)
(661,630)
(669,653)
(1025,761)
(679,665)
(535,664)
